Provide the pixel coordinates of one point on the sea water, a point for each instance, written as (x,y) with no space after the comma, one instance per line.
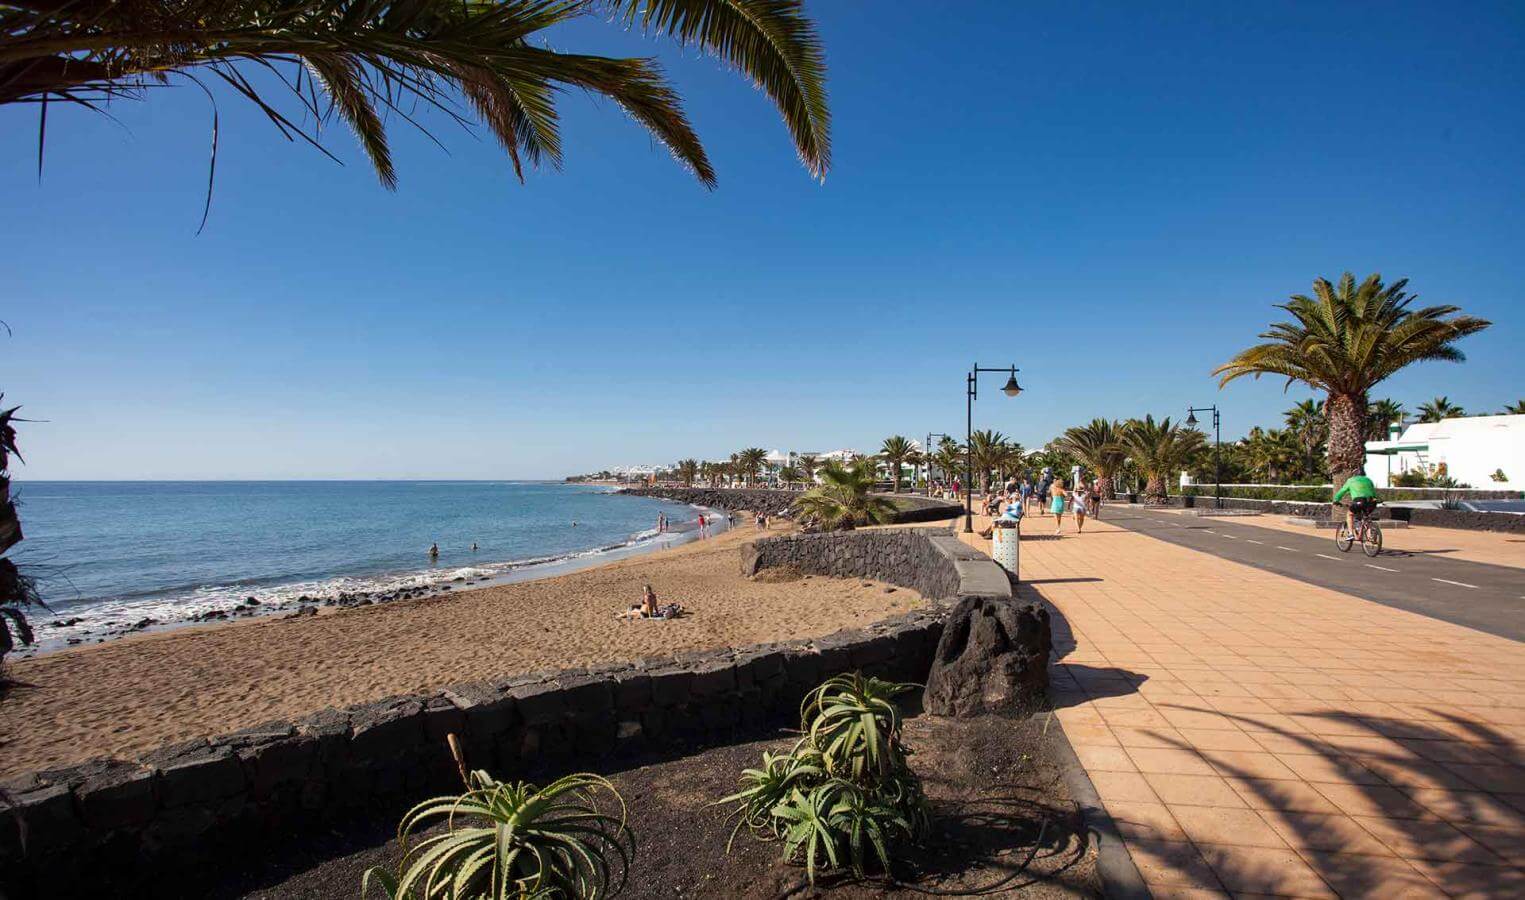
(112,554)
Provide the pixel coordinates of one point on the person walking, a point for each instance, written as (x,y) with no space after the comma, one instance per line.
(1056,496)
(1078,500)
(1096,498)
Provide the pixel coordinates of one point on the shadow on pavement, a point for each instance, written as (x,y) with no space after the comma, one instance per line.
(1447,794)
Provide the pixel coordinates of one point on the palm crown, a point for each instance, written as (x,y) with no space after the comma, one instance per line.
(1345,339)
(896,451)
(364,60)
(1440,408)
(1159,449)
(844,498)
(1099,447)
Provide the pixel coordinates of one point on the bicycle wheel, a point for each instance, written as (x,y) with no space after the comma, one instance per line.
(1371,541)
(1343,538)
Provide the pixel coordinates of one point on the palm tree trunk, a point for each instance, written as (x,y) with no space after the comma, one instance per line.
(1107,492)
(1347,432)
(1154,488)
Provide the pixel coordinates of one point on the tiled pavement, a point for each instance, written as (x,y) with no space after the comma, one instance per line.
(1254,735)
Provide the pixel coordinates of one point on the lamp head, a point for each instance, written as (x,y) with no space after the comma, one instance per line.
(1012,388)
(1191,419)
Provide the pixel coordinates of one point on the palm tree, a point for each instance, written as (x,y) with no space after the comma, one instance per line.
(1440,408)
(16,590)
(949,457)
(808,463)
(789,475)
(1517,408)
(1379,415)
(1009,459)
(896,452)
(688,470)
(985,449)
(1346,339)
(1271,454)
(844,499)
(1099,448)
(1159,450)
(366,61)
(1306,422)
(749,463)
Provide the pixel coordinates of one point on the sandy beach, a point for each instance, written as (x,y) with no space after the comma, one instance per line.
(130,695)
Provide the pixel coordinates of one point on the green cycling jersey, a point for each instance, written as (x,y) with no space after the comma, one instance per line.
(1357,487)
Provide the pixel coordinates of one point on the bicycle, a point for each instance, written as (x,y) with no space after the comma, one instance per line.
(1368,532)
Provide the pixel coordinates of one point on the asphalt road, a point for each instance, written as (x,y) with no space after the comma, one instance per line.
(1488,598)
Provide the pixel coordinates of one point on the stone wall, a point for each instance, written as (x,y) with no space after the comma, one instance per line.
(929,560)
(129,827)
(776,503)
(1511,523)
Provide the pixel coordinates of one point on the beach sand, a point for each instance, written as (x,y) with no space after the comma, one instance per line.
(131,695)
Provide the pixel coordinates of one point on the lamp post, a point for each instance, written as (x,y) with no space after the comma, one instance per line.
(1191,422)
(1011,389)
(926,453)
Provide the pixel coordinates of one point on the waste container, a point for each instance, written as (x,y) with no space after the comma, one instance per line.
(1005,545)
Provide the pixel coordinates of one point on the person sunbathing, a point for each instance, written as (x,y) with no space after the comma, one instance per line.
(646,609)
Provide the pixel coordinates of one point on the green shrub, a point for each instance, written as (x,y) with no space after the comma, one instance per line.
(845,793)
(512,840)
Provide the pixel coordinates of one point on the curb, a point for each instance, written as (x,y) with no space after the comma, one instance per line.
(1120,878)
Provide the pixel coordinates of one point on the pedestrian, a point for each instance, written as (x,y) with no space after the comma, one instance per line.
(1078,507)
(1056,496)
(1096,498)
(704,528)
(1025,492)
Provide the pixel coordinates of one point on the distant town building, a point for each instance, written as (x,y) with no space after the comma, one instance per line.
(1474,450)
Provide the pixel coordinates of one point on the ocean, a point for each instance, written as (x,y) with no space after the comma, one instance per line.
(108,555)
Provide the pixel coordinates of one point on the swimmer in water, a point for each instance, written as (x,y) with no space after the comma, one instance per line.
(473,546)
(434,551)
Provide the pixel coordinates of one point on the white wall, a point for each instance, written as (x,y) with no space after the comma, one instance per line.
(1471,448)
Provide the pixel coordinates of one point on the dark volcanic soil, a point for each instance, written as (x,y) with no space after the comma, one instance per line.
(993,786)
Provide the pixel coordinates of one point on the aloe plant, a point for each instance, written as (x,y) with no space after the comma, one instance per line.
(512,840)
(844,795)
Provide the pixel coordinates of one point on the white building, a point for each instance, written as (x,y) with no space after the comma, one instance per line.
(1473,449)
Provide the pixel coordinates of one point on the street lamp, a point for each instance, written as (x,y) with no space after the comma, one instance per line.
(926,453)
(1011,389)
(1191,422)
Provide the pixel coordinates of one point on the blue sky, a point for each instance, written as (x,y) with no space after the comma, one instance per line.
(1110,196)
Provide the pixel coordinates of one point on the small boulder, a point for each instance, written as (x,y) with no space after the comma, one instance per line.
(992,658)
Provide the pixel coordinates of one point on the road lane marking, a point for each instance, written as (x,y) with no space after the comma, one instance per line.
(1327,556)
(1457,583)
(1383,568)
(1288,549)
(1229,536)
(1253,541)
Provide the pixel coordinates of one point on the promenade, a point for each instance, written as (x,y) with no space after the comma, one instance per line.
(1253,734)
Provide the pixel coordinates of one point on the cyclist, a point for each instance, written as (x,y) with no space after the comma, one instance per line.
(1363,498)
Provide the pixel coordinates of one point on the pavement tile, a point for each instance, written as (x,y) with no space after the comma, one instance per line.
(1104,759)
(1148,737)
(1221,825)
(1323,831)
(1248,764)
(1291,796)
(1122,786)
(1499,779)
(1194,790)
(1318,767)
(1204,739)
(1474,882)
(1266,870)
(1361,875)
(1173,863)
(1471,806)
(1169,761)
(1090,735)
(1145,821)
(1427,839)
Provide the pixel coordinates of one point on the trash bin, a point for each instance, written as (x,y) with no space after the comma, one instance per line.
(1005,545)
